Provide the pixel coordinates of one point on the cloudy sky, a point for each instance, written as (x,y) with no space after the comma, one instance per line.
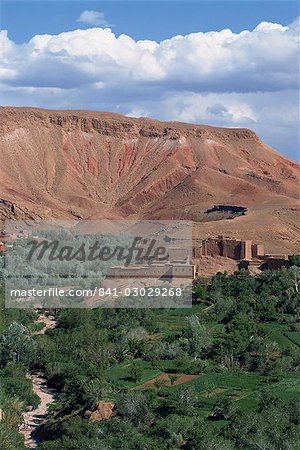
(233,64)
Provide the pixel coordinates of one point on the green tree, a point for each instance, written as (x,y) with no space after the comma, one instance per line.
(267,398)
(95,390)
(201,437)
(295,260)
(135,407)
(17,345)
(173,377)
(136,341)
(9,440)
(198,335)
(199,292)
(295,412)
(136,372)
(186,400)
(224,409)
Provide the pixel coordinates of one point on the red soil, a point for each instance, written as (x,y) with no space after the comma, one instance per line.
(184,378)
(85,164)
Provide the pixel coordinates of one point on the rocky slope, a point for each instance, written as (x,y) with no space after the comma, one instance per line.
(84,164)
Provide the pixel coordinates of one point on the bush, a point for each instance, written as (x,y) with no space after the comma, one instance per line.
(136,372)
(135,407)
(10,440)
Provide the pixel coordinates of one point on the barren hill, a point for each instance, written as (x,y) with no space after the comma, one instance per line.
(86,164)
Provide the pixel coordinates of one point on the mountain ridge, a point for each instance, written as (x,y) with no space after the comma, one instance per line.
(86,164)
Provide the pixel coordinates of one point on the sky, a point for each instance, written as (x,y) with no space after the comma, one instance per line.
(223,63)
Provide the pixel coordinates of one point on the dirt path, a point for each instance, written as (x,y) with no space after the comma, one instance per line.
(33,419)
(49,323)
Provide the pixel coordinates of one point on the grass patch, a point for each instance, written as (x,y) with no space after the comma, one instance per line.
(277,333)
(173,321)
(294,337)
(120,374)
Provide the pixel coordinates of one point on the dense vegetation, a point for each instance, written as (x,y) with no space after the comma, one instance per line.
(225,373)
(17,353)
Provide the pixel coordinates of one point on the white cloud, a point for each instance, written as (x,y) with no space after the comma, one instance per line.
(93,18)
(222,78)
(235,112)
(264,59)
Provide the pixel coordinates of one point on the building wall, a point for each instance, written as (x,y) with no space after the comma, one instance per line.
(197,252)
(231,248)
(178,271)
(270,263)
(186,271)
(211,247)
(277,263)
(246,250)
(258,250)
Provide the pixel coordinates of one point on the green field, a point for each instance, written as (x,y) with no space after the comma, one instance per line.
(120,375)
(293,336)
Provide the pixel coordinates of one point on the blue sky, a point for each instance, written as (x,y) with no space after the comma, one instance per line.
(234,64)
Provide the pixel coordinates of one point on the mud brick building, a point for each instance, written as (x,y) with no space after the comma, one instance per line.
(249,255)
(229,248)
